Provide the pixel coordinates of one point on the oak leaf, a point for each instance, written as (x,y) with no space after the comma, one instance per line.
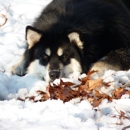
(63,91)
(99,95)
(95,83)
(118,93)
(88,76)
(96,102)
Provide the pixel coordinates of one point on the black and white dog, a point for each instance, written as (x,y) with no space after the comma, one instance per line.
(77,36)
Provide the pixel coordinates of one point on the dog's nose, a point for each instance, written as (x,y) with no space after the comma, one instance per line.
(54,74)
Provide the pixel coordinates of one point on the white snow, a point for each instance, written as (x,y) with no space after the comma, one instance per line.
(51,114)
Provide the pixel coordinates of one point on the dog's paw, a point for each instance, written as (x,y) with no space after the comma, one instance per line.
(17,70)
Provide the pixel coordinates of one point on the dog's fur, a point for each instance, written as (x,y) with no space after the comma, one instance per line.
(77,36)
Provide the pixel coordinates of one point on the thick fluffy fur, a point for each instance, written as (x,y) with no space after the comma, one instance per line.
(70,35)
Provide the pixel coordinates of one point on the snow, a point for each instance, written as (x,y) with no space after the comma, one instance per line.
(51,114)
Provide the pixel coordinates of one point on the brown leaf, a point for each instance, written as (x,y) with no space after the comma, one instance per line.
(44,97)
(32,98)
(67,94)
(106,84)
(91,100)
(63,91)
(95,83)
(65,84)
(54,91)
(83,88)
(40,92)
(20,99)
(84,80)
(99,95)
(88,76)
(121,114)
(87,90)
(127,92)
(118,93)
(91,72)
(96,102)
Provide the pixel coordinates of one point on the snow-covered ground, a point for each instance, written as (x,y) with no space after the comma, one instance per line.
(51,114)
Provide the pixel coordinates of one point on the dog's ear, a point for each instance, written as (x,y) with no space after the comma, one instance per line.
(74,37)
(32,36)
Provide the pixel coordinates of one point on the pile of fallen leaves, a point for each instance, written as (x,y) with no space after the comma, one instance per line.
(86,90)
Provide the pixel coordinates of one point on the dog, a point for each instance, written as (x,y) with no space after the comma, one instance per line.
(77,36)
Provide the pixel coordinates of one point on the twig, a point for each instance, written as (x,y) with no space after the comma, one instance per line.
(5,19)
(4,16)
(122,114)
(126,127)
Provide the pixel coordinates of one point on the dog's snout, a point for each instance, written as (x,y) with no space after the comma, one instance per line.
(54,74)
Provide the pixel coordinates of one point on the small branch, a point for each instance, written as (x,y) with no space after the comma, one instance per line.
(5,19)
(4,16)
(126,127)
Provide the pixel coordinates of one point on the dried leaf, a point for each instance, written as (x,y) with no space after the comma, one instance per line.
(63,91)
(106,84)
(92,72)
(20,99)
(96,102)
(127,92)
(31,98)
(88,76)
(90,100)
(99,95)
(95,83)
(83,88)
(40,92)
(65,84)
(121,114)
(44,97)
(118,93)
(67,94)
(86,90)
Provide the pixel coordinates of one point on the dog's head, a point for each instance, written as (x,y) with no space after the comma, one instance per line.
(51,56)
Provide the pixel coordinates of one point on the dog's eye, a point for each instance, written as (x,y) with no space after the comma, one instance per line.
(65,55)
(45,56)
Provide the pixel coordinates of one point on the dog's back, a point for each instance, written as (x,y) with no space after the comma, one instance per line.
(70,35)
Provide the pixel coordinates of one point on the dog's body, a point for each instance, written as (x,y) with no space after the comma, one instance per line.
(70,35)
